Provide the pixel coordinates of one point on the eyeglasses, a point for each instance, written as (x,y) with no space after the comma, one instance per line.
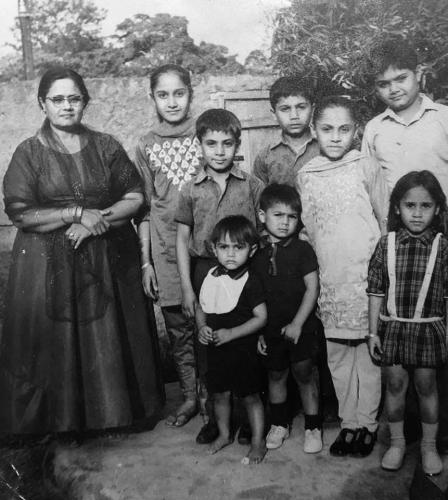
(58,100)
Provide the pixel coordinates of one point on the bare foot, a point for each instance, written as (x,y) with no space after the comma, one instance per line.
(218,444)
(183,414)
(257,451)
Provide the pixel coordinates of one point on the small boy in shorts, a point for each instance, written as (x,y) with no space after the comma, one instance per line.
(288,270)
(220,189)
(292,100)
(230,312)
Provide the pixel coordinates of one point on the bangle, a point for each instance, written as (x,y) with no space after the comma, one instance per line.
(371,335)
(145,265)
(68,215)
(144,239)
(78,214)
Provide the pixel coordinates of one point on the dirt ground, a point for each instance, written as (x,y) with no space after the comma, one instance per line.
(167,464)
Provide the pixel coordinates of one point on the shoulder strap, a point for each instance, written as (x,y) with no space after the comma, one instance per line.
(391,305)
(427,279)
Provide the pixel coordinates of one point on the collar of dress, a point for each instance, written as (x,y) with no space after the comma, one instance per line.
(322,163)
(403,236)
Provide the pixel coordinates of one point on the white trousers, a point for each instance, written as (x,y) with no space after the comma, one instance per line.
(357,382)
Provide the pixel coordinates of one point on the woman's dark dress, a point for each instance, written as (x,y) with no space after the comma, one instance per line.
(79,348)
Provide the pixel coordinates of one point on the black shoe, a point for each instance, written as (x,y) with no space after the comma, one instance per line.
(344,443)
(208,433)
(364,442)
(245,434)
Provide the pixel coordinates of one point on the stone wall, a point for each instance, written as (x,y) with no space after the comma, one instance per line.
(119,106)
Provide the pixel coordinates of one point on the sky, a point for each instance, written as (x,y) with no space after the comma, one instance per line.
(240,25)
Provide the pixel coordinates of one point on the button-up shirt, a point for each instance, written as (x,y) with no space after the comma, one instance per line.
(420,144)
(278,162)
(202,205)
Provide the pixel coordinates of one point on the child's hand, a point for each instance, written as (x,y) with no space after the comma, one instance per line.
(205,335)
(222,336)
(375,348)
(189,303)
(149,281)
(292,332)
(262,348)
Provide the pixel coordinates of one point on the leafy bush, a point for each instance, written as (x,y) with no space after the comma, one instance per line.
(329,42)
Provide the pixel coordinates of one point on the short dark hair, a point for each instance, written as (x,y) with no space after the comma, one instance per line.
(280,193)
(425,179)
(238,228)
(60,73)
(182,73)
(287,86)
(218,120)
(392,52)
(335,101)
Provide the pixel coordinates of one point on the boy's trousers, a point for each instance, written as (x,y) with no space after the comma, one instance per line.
(180,332)
(357,382)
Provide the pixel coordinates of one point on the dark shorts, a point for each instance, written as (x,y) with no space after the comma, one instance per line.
(281,353)
(233,368)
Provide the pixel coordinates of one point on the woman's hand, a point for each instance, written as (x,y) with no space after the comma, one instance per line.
(205,335)
(93,220)
(149,282)
(375,347)
(77,233)
(262,347)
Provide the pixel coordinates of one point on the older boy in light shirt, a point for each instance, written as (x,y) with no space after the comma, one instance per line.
(412,133)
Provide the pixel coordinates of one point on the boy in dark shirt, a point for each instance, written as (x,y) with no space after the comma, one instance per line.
(288,270)
(292,100)
(231,310)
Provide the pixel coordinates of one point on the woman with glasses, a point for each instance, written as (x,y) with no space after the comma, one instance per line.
(77,351)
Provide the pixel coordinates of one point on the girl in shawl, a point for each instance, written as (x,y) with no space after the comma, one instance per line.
(167,157)
(344,202)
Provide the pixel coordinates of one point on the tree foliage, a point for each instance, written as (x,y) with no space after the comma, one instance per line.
(329,41)
(150,41)
(68,32)
(65,26)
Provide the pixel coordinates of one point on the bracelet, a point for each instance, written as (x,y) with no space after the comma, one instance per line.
(144,266)
(78,214)
(68,214)
(371,335)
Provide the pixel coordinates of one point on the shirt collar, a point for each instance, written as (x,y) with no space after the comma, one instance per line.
(404,237)
(235,274)
(234,172)
(265,241)
(282,142)
(425,105)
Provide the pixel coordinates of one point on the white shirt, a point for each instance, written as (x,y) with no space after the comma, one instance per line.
(420,144)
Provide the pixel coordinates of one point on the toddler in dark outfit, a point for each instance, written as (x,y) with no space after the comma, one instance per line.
(230,312)
(287,267)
